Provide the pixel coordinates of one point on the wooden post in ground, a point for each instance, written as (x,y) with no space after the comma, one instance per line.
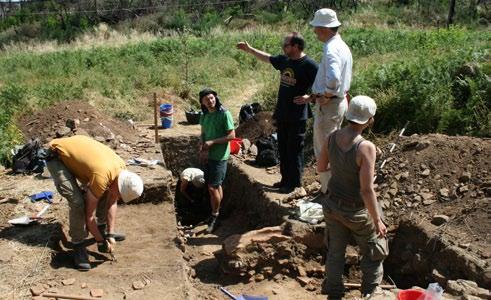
(155,119)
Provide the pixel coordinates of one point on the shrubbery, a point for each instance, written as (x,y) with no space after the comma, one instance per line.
(13,99)
(438,79)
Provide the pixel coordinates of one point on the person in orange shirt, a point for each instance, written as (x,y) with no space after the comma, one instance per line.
(104,180)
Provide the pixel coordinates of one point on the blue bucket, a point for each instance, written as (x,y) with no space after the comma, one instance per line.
(166,122)
(166,110)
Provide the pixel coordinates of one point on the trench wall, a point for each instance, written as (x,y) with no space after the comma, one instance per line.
(418,250)
(157,181)
(241,192)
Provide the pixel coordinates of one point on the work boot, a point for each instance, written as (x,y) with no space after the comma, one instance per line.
(278,184)
(118,237)
(80,257)
(286,189)
(212,224)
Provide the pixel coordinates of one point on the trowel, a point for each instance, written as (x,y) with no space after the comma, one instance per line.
(26,220)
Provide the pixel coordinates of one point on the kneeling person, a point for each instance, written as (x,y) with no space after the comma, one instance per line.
(104,180)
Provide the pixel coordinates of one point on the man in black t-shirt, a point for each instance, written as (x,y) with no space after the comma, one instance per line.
(297,76)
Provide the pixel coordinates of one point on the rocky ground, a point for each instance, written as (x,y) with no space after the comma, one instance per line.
(439,181)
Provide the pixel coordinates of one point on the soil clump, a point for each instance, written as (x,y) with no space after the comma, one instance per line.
(74,117)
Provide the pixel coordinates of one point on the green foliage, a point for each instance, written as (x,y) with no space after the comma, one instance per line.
(436,78)
(421,86)
(13,98)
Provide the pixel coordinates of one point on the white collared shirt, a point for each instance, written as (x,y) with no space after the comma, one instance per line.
(334,74)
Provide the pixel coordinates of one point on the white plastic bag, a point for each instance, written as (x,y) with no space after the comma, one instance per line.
(433,292)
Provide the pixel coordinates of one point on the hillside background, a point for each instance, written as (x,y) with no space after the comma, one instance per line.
(427,62)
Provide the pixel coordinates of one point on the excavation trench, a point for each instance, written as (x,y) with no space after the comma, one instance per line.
(418,253)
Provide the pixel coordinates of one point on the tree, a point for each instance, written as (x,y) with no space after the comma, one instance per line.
(451,12)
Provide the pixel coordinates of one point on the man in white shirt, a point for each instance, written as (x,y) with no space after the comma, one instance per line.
(332,82)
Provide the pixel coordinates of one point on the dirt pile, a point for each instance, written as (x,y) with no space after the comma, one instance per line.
(260,126)
(441,179)
(69,118)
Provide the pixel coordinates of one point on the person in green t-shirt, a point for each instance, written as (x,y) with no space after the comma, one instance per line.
(217,129)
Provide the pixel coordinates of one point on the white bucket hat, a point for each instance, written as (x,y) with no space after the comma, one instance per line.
(325,17)
(361,109)
(130,185)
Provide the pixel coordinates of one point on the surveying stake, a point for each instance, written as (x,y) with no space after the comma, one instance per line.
(391,149)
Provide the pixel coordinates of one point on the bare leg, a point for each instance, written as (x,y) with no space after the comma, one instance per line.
(216,195)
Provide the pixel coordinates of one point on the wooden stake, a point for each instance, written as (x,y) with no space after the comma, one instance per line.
(68,296)
(382,286)
(155,118)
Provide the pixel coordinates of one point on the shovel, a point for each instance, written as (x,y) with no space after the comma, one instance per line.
(26,220)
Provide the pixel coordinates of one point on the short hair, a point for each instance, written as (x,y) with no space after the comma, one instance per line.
(335,29)
(297,39)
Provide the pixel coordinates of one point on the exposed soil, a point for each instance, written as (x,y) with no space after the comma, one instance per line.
(441,175)
(425,176)
(45,123)
(260,126)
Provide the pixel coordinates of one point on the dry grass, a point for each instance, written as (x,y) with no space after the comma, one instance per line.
(102,36)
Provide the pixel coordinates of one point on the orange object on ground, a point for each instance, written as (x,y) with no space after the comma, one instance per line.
(235,145)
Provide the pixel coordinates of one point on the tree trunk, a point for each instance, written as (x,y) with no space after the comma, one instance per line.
(451,13)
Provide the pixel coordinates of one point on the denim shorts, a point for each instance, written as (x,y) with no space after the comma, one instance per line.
(215,171)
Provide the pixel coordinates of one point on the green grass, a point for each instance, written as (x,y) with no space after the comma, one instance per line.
(412,73)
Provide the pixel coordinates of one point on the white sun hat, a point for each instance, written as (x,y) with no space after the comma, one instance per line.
(325,17)
(130,185)
(361,109)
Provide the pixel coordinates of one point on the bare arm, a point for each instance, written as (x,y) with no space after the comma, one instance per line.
(221,140)
(261,55)
(90,207)
(366,158)
(112,206)
(202,152)
(323,161)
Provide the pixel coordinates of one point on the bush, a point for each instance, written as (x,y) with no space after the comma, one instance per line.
(13,98)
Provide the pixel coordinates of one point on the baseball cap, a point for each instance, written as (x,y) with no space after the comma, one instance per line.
(361,109)
(325,17)
(130,185)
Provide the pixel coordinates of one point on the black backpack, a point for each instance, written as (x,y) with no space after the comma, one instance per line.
(29,159)
(248,111)
(267,152)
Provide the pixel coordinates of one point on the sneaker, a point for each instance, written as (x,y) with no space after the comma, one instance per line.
(118,237)
(81,258)
(212,224)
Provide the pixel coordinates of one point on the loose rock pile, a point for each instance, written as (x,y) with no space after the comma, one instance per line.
(439,179)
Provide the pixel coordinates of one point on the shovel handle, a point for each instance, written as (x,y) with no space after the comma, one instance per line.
(227,293)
